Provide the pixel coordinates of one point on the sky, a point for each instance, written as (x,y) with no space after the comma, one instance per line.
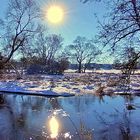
(79,20)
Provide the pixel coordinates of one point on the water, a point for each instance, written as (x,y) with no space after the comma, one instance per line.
(78,118)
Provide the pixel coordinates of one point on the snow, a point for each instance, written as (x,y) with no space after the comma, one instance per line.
(71,84)
(28,88)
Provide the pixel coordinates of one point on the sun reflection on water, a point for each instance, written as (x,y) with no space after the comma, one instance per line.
(54,127)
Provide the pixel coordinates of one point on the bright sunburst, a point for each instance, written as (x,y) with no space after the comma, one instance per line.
(55,14)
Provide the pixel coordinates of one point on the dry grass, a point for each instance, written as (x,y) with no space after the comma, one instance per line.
(113,82)
(5,77)
(94,83)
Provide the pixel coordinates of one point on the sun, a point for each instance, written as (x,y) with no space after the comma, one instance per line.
(55,14)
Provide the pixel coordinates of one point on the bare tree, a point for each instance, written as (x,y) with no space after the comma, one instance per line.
(83,51)
(47,46)
(121,24)
(19,26)
(41,48)
(92,55)
(123,28)
(54,43)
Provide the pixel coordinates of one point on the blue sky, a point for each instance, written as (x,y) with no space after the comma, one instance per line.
(79,20)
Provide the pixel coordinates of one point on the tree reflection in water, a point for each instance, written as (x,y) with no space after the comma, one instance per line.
(6,115)
(121,125)
(1,99)
(77,118)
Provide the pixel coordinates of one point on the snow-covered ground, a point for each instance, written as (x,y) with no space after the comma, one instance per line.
(100,71)
(106,82)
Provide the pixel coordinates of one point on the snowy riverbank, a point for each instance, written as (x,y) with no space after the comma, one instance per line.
(71,84)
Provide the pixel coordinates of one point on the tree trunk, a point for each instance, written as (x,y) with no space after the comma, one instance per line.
(87,64)
(80,67)
(85,67)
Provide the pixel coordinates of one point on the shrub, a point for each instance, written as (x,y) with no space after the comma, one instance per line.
(36,69)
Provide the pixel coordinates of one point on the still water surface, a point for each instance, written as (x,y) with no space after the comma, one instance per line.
(78,118)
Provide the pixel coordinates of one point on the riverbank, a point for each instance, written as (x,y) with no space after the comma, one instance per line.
(98,83)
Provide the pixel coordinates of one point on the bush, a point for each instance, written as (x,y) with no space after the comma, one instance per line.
(36,69)
(53,67)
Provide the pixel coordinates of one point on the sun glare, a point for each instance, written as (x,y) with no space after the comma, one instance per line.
(55,14)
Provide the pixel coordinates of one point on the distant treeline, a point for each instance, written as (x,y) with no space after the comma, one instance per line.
(93,66)
(97,66)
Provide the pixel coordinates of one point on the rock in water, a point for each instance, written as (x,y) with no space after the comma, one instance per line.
(130,107)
